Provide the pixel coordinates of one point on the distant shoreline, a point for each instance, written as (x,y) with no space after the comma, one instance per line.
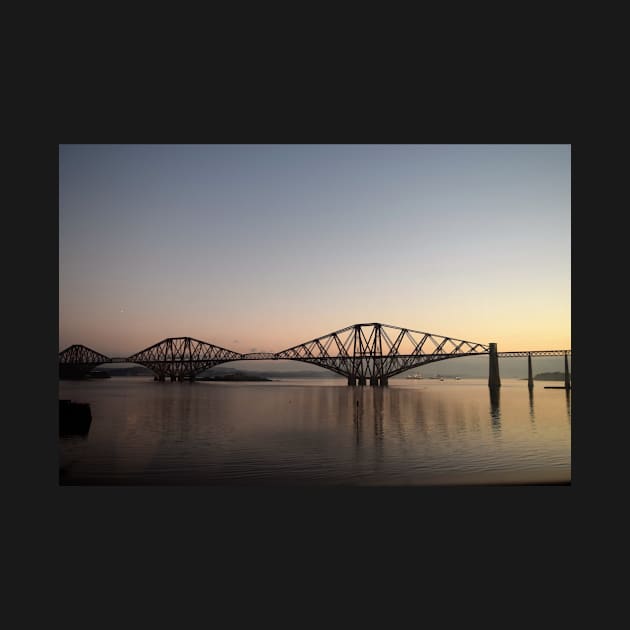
(233,377)
(548,376)
(269,376)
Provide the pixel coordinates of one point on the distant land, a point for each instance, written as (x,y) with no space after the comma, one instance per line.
(267,375)
(236,376)
(136,370)
(466,367)
(550,376)
(219,373)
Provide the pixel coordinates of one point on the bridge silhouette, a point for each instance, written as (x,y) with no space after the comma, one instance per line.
(363,353)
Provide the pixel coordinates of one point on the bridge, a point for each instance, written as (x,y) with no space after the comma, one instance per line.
(363,353)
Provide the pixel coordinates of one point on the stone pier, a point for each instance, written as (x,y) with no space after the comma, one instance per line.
(530,378)
(494,380)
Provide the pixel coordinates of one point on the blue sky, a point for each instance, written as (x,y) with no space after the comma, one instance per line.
(266,246)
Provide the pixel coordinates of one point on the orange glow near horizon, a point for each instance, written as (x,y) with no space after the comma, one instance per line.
(137,337)
(264,247)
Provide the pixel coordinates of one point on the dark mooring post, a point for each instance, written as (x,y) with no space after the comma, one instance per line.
(494,380)
(530,378)
(567,380)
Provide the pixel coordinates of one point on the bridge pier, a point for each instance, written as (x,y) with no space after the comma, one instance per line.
(567,380)
(375,381)
(494,379)
(530,378)
(173,377)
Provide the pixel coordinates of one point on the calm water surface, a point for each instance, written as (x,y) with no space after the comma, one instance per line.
(307,432)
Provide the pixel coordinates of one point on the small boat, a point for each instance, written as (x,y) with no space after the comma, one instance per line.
(458,378)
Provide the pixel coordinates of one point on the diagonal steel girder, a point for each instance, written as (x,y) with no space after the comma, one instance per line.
(182,357)
(377,350)
(81,355)
(77,360)
(370,350)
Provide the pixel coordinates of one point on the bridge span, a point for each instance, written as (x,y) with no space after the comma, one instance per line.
(363,353)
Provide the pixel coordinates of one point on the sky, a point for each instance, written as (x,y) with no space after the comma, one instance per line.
(262,247)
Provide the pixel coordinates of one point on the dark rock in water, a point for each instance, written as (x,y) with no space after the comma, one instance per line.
(74,418)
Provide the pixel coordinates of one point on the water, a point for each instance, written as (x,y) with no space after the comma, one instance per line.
(312,432)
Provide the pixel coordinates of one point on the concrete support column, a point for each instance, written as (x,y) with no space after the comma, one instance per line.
(374,381)
(161,378)
(352,379)
(384,381)
(192,378)
(530,378)
(362,380)
(494,379)
(173,378)
(567,380)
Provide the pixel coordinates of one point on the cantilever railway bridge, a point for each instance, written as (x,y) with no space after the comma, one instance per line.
(363,353)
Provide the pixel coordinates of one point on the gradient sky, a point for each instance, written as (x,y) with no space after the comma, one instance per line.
(262,247)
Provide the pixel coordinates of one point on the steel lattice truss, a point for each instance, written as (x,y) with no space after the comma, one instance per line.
(378,351)
(179,357)
(78,360)
(362,352)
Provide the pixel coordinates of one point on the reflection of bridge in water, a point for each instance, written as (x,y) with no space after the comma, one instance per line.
(363,353)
